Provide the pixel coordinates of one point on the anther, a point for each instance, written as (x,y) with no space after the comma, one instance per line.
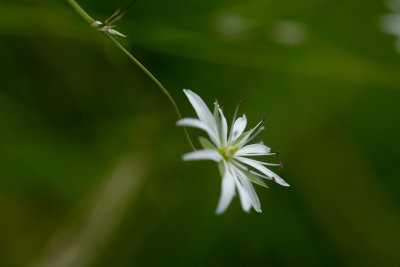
(281,164)
(222,104)
(273,179)
(262,119)
(241,101)
(277,153)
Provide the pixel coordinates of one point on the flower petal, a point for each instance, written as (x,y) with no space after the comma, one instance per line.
(227,191)
(257,165)
(195,123)
(248,187)
(204,154)
(253,150)
(202,111)
(245,199)
(251,175)
(191,122)
(238,128)
(224,128)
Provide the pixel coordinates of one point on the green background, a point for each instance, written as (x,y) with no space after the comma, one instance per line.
(72,107)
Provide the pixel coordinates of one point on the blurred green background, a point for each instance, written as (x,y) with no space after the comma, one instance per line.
(91,169)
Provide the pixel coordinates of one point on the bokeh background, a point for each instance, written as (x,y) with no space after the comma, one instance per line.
(90,164)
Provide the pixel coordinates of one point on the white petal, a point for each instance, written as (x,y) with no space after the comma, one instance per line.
(204,154)
(238,128)
(258,166)
(248,187)
(191,122)
(227,191)
(253,149)
(245,199)
(245,168)
(224,127)
(202,111)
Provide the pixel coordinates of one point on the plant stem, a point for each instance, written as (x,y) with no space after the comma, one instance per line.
(157,82)
(81,11)
(90,20)
(119,13)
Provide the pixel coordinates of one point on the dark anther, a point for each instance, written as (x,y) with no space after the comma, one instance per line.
(262,119)
(241,101)
(222,104)
(281,164)
(273,179)
(277,153)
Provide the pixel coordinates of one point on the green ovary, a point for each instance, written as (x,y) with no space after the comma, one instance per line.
(228,152)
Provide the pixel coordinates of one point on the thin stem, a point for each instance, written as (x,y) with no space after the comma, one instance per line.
(119,13)
(154,79)
(81,11)
(89,19)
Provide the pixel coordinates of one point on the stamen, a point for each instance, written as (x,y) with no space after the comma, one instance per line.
(273,179)
(251,132)
(222,104)
(261,120)
(235,114)
(263,154)
(277,153)
(270,164)
(255,135)
(248,168)
(281,164)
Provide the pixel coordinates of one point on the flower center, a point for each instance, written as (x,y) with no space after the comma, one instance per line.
(228,152)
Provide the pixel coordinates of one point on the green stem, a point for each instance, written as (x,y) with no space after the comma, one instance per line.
(119,13)
(81,11)
(89,19)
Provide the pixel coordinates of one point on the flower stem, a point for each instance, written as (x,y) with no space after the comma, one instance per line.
(81,11)
(90,20)
(119,13)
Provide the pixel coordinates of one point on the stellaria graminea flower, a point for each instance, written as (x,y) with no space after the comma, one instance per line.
(231,151)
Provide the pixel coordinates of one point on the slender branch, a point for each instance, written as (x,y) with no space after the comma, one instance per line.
(157,82)
(90,20)
(119,13)
(81,11)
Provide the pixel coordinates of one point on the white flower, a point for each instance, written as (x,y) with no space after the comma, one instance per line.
(231,151)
